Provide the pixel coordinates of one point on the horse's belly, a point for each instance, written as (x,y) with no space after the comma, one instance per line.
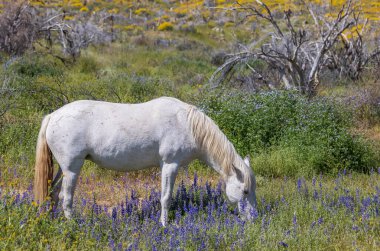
(126,159)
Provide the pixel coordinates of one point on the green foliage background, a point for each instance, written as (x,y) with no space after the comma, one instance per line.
(287,134)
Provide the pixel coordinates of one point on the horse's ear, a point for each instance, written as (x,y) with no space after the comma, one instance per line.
(247,159)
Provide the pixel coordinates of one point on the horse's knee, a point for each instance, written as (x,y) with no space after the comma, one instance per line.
(165,200)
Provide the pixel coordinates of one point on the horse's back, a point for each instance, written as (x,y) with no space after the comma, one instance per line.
(122,136)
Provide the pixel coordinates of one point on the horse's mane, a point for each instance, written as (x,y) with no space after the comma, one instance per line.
(213,141)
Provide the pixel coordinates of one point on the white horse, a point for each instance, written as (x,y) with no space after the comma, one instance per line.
(163,132)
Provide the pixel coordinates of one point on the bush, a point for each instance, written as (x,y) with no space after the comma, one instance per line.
(165,26)
(287,134)
(33,66)
(88,64)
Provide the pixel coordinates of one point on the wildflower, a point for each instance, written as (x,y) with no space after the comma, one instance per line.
(254,214)
(195,181)
(320,220)
(313,181)
(283,244)
(366,202)
(114,214)
(315,194)
(299,184)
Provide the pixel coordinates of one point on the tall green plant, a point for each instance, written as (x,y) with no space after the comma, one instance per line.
(287,134)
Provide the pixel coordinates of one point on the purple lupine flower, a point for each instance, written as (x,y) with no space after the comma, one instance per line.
(315,195)
(357,194)
(133,195)
(365,216)
(347,201)
(283,200)
(202,246)
(265,223)
(320,220)
(287,232)
(114,214)
(111,244)
(366,202)
(254,213)
(295,222)
(283,244)
(218,189)
(299,184)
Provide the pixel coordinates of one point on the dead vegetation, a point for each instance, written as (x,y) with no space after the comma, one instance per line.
(301,48)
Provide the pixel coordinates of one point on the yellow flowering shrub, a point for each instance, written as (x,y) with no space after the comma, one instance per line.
(165,17)
(180,12)
(76,5)
(165,26)
(69,17)
(142,11)
(84,9)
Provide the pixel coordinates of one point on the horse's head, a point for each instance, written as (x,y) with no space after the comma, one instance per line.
(241,186)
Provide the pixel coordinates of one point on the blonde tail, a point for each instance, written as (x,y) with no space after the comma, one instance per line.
(44,165)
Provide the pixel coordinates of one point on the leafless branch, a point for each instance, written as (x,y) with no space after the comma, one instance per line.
(296,54)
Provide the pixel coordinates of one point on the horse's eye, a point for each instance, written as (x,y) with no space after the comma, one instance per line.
(245,191)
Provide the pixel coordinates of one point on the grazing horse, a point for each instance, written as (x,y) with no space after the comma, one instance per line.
(163,132)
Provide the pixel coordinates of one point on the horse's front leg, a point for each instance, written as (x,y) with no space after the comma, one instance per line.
(168,175)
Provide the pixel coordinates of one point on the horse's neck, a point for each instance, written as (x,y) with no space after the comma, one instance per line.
(212,163)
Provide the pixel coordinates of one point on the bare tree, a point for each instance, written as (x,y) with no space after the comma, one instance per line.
(294,55)
(18,28)
(354,54)
(21,25)
(73,35)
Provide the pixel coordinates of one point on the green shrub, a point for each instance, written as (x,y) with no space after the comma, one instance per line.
(287,134)
(87,64)
(34,66)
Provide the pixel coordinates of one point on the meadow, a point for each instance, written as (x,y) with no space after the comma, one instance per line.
(333,213)
(316,159)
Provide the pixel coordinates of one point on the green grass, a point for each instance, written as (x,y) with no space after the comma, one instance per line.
(301,214)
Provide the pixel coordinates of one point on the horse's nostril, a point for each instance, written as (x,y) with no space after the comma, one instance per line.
(245,191)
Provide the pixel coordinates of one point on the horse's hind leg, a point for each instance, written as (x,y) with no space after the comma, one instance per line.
(70,176)
(56,186)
